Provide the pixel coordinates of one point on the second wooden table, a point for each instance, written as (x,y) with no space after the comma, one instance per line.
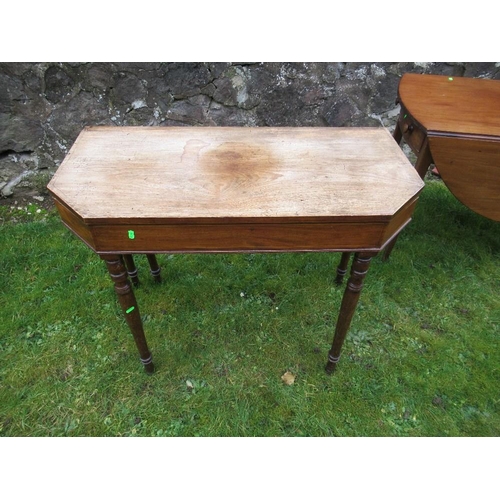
(454,122)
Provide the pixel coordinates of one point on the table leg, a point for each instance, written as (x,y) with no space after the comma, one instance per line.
(424,159)
(131,269)
(422,164)
(155,268)
(359,268)
(397,134)
(342,268)
(388,248)
(129,306)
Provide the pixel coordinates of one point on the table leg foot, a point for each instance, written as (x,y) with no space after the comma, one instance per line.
(129,307)
(331,364)
(149,368)
(154,267)
(359,269)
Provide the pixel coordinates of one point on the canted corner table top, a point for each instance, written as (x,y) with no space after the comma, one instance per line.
(235,189)
(204,174)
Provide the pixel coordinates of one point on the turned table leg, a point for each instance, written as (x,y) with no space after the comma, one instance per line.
(154,267)
(131,269)
(353,289)
(397,134)
(424,159)
(129,306)
(342,268)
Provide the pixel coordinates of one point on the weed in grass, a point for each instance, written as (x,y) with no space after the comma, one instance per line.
(26,213)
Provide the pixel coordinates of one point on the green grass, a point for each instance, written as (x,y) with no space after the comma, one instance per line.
(422,357)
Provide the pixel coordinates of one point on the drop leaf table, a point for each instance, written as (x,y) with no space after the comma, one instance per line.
(454,123)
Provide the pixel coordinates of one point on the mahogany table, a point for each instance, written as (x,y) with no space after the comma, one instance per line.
(127,190)
(454,122)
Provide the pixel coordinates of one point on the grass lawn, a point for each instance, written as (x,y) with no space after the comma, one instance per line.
(422,357)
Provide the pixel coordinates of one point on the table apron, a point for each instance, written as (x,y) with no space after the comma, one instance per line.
(238,237)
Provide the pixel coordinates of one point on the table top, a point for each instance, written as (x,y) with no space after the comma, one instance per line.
(455,105)
(203,174)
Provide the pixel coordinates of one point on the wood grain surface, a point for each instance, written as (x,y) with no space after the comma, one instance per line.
(452,104)
(152,175)
(471,170)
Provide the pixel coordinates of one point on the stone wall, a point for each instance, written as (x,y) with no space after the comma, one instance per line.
(43,106)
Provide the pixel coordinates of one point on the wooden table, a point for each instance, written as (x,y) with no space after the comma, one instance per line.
(128,190)
(454,122)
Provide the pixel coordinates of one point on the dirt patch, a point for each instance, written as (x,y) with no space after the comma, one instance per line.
(23,200)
